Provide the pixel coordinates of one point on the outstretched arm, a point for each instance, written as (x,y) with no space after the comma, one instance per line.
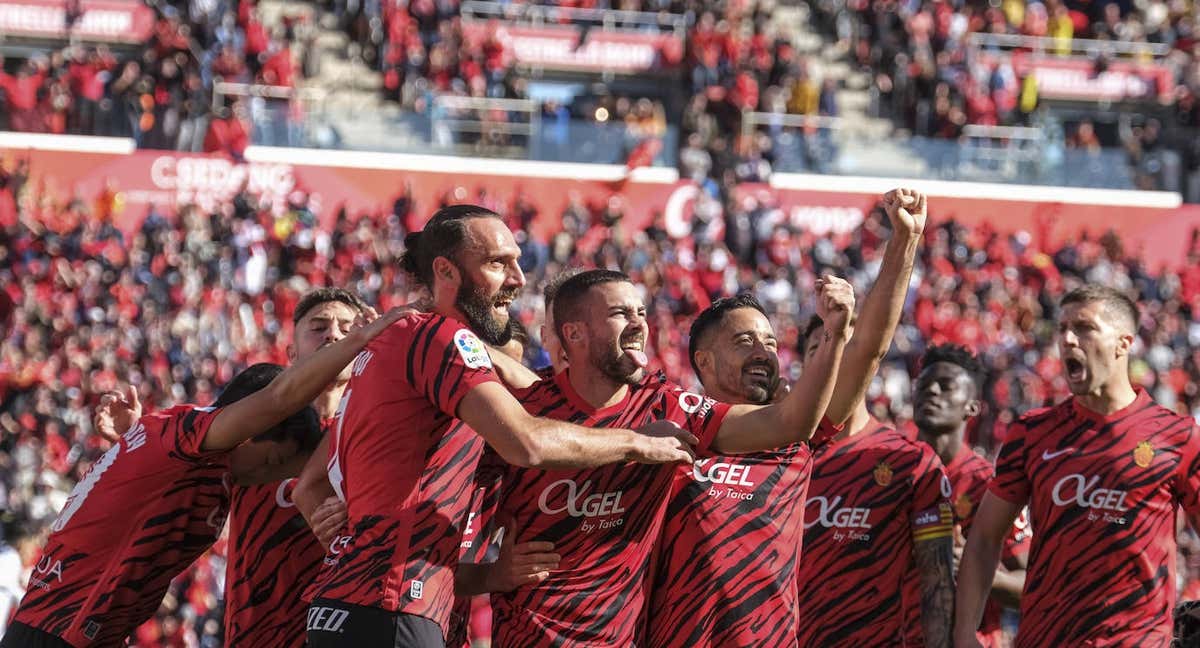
(881,310)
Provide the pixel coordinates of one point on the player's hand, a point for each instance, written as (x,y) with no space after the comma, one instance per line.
(116,413)
(520,564)
(835,303)
(663,442)
(369,323)
(907,211)
(328,519)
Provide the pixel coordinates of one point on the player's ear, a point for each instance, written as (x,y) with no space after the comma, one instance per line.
(573,332)
(704,360)
(445,270)
(1124,344)
(291,352)
(973,408)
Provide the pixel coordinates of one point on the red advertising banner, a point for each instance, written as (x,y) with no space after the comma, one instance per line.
(560,47)
(164,179)
(1075,79)
(118,21)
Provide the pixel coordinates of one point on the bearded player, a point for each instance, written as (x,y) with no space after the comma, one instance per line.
(726,563)
(421,401)
(945,400)
(1104,474)
(603,523)
(158,498)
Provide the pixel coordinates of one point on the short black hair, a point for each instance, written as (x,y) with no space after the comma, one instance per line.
(443,236)
(315,298)
(957,355)
(574,289)
(711,317)
(1116,303)
(303,427)
(814,324)
(550,291)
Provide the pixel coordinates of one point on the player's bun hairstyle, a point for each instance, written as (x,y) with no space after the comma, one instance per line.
(443,236)
(957,355)
(572,291)
(320,296)
(711,317)
(1117,304)
(303,427)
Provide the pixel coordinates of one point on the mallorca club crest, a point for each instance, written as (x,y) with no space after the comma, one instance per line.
(1143,454)
(883,473)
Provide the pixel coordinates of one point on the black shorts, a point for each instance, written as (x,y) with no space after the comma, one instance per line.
(333,624)
(20,635)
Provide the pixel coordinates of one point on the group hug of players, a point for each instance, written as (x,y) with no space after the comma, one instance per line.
(602,505)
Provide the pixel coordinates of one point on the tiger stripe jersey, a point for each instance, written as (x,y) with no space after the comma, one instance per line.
(603,522)
(144,511)
(725,566)
(872,497)
(273,554)
(1103,492)
(405,467)
(474,548)
(969,477)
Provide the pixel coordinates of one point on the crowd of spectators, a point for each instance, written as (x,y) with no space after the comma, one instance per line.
(182,303)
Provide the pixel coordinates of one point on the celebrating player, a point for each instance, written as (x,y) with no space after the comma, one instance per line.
(1103,473)
(273,555)
(877,516)
(403,456)
(726,568)
(945,399)
(158,498)
(602,523)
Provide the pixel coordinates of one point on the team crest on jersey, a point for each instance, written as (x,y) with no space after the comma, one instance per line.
(471,349)
(883,473)
(1143,454)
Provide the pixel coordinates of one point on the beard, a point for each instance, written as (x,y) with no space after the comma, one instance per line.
(477,307)
(616,365)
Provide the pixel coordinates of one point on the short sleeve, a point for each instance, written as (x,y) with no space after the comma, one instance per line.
(1187,477)
(1020,539)
(1011,482)
(700,415)
(447,361)
(932,516)
(481,525)
(184,432)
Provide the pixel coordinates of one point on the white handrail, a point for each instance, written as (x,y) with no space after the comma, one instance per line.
(1080,45)
(609,19)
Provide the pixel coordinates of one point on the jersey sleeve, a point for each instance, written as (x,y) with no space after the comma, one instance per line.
(1187,476)
(446,361)
(479,532)
(932,515)
(1011,482)
(700,415)
(184,432)
(1019,540)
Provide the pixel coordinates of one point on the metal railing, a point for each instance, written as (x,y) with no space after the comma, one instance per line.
(280,115)
(807,143)
(605,19)
(484,125)
(1061,47)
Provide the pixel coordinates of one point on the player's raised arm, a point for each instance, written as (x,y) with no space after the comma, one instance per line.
(525,440)
(993,522)
(292,390)
(751,428)
(883,305)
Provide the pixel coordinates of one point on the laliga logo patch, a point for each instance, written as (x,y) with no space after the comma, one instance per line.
(471,349)
(1143,454)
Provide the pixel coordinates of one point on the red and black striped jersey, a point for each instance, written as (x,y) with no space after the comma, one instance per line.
(603,522)
(405,466)
(476,541)
(147,508)
(969,477)
(872,496)
(725,566)
(272,555)
(1103,492)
